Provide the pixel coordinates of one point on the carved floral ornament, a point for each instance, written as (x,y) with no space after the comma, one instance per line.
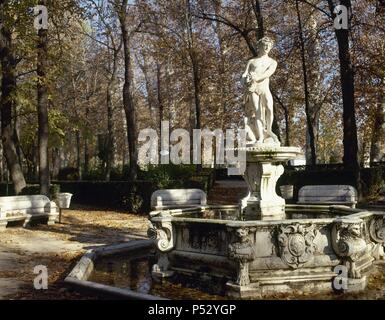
(296,244)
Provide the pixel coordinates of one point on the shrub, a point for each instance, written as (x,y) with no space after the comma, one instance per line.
(68,174)
(168,176)
(92,175)
(30,189)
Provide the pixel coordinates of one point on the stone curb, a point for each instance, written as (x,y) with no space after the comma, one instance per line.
(79,275)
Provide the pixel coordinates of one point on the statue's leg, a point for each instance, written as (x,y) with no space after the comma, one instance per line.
(258,118)
(250,136)
(269,103)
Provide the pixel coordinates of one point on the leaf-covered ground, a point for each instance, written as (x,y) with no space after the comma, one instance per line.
(58,248)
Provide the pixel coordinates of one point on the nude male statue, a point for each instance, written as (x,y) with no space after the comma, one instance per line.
(258,98)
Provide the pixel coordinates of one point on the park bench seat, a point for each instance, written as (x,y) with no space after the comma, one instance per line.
(328,195)
(177,198)
(27,209)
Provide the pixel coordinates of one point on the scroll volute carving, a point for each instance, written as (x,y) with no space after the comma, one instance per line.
(161,231)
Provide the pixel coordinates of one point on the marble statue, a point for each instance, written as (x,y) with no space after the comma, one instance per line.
(258,98)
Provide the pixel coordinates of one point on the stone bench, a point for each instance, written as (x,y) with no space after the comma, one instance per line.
(177,198)
(328,195)
(27,209)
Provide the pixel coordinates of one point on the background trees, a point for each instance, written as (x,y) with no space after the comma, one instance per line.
(114,67)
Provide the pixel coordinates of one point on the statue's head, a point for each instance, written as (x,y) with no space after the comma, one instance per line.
(265,45)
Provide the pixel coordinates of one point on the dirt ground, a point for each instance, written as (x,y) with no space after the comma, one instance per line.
(58,248)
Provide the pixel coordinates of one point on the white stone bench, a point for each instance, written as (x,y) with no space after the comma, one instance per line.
(328,195)
(177,198)
(26,209)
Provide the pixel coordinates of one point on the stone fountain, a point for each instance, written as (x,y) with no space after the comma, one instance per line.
(263,246)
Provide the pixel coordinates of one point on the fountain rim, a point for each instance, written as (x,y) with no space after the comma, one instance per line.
(342,213)
(269,153)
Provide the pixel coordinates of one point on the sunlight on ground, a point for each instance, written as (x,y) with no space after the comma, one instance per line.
(58,247)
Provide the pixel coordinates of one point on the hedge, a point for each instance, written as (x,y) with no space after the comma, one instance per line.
(124,195)
(134,197)
(373,179)
(31,189)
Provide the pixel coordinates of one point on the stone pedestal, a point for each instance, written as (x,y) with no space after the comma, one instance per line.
(263,169)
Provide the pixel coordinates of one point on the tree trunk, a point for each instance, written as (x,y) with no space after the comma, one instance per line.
(197,91)
(1,163)
(8,94)
(110,135)
(350,140)
(55,163)
(86,144)
(194,59)
(196,116)
(149,87)
(287,125)
(86,157)
(79,155)
(223,87)
(110,157)
(258,16)
(309,120)
(159,93)
(110,140)
(378,134)
(314,79)
(42,109)
(287,119)
(128,99)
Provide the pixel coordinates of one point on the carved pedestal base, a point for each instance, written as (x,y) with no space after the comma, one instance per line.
(160,271)
(264,210)
(263,203)
(160,276)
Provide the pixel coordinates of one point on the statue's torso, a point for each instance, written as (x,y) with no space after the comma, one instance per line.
(258,66)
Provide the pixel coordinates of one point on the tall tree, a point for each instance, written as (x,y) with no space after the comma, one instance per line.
(128,98)
(350,140)
(42,107)
(113,46)
(309,119)
(378,133)
(194,58)
(8,98)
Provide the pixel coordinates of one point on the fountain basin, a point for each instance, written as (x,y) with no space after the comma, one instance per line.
(303,252)
(123,271)
(82,276)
